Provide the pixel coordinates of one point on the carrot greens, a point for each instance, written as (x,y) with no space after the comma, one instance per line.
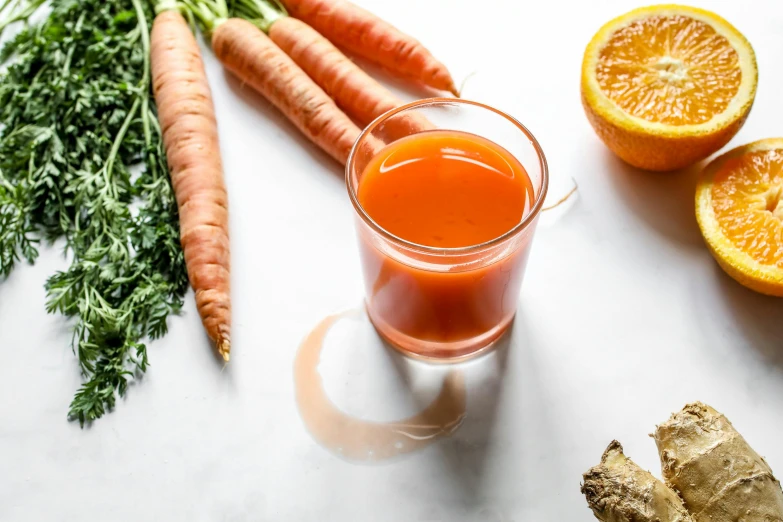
(81,161)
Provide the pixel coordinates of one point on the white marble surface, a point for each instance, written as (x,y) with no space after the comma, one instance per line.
(624,318)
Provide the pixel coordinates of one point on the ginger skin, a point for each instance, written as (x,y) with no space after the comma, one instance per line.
(718,475)
(618,490)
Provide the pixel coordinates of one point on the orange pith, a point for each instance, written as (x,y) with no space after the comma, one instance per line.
(671,69)
(746,200)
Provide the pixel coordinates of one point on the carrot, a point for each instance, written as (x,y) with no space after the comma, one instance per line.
(366,35)
(360,96)
(187,119)
(248,53)
(355,92)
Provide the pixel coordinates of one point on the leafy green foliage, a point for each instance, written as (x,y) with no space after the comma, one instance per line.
(81,159)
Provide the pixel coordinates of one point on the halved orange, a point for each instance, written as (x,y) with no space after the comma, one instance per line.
(739,207)
(668,85)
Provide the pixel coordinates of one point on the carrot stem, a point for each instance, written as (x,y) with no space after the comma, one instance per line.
(166,5)
(20,11)
(209,14)
(145,77)
(259,12)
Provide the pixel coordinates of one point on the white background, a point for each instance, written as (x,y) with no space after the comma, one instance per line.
(624,318)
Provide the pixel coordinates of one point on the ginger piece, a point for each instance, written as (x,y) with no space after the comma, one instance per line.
(718,475)
(618,490)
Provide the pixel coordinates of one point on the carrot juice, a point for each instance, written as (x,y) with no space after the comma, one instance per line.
(445,189)
(446,219)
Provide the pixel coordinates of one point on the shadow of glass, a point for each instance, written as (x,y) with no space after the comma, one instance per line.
(495,460)
(464,455)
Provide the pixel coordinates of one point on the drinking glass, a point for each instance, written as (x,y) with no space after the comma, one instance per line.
(445,303)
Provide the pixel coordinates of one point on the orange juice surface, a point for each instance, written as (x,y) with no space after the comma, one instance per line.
(444,189)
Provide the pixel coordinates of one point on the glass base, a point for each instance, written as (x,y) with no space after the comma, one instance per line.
(439,352)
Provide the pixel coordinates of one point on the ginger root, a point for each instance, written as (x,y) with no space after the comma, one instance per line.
(718,475)
(618,490)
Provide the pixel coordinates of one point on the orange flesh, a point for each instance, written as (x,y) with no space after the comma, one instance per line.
(746,198)
(673,70)
(445,189)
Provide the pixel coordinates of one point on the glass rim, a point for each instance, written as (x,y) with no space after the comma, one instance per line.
(519,227)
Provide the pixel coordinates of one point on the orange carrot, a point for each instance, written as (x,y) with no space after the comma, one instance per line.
(187,119)
(359,95)
(356,92)
(366,35)
(256,60)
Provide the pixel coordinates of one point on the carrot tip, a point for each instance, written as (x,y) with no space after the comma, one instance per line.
(224,349)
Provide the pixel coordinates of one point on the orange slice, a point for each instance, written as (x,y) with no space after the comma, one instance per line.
(739,207)
(668,85)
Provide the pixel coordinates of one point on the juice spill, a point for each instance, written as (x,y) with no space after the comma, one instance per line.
(359,440)
(445,189)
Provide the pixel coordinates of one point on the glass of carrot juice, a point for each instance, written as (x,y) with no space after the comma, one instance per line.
(447,194)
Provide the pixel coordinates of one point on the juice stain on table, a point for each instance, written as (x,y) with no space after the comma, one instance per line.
(361,440)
